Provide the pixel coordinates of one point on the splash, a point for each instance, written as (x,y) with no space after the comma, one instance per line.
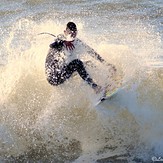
(43,123)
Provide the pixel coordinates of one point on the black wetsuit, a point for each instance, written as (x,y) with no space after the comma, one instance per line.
(58,71)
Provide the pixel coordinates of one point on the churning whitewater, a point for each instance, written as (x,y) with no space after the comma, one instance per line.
(42,123)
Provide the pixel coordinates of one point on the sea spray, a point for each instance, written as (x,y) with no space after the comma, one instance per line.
(45,123)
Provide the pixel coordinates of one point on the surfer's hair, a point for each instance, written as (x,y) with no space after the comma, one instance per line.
(72,26)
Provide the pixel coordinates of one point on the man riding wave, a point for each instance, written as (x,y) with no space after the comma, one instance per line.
(62,59)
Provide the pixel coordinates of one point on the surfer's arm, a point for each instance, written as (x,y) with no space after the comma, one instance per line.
(60,42)
(95,55)
(92,52)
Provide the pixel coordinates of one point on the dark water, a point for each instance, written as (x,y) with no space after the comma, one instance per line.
(39,123)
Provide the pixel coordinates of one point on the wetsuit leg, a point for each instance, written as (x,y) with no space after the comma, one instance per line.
(77,65)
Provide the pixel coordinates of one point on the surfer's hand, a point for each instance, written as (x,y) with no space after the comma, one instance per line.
(98,89)
(112,66)
(69,45)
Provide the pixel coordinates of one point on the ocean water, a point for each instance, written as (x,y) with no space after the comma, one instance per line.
(41,123)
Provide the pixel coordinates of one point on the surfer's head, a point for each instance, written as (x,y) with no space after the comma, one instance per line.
(71,29)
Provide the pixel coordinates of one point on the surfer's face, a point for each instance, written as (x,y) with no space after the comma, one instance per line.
(69,32)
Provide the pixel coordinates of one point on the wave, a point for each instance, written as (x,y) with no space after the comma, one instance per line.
(44,123)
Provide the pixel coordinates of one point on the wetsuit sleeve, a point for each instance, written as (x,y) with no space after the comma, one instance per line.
(95,55)
(58,44)
(92,52)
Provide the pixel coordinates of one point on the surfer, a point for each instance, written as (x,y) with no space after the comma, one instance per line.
(62,61)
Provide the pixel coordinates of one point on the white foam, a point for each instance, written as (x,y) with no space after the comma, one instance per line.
(133,117)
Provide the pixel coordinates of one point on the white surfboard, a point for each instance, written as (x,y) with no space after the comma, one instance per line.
(107,95)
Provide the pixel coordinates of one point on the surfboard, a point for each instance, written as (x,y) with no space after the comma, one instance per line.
(107,95)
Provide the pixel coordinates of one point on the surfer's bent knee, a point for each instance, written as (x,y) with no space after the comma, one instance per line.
(78,61)
(54,81)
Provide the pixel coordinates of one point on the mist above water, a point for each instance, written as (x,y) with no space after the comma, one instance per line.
(45,123)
